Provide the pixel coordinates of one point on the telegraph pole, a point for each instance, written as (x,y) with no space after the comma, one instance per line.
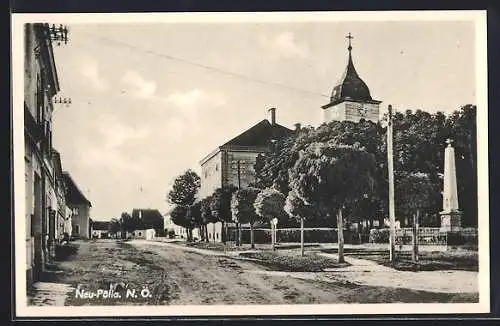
(392,217)
(238,225)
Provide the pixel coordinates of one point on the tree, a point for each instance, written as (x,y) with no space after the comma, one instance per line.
(206,216)
(179,214)
(220,206)
(130,224)
(184,189)
(414,191)
(114,226)
(243,210)
(183,195)
(269,204)
(296,208)
(336,176)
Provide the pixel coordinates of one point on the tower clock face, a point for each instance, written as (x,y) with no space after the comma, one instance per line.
(361,109)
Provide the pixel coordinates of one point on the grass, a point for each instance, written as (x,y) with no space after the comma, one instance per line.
(429,261)
(230,246)
(291,261)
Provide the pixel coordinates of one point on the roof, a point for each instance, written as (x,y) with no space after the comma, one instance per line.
(56,157)
(350,86)
(100,225)
(151,217)
(259,135)
(73,194)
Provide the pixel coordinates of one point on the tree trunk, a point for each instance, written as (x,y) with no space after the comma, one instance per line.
(302,237)
(340,235)
(223,232)
(205,229)
(236,238)
(252,243)
(213,231)
(415,238)
(272,236)
(239,234)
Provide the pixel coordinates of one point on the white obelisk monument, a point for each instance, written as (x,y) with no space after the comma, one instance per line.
(450,216)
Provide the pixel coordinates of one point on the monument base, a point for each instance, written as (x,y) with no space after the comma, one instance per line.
(451,221)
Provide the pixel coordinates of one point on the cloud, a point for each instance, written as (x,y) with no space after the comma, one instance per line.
(142,87)
(114,133)
(90,70)
(285,45)
(190,101)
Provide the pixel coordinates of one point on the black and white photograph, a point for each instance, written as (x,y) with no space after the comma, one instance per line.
(204,164)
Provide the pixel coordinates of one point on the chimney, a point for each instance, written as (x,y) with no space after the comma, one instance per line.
(297,126)
(272,115)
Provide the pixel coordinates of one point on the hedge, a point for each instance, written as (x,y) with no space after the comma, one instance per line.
(292,235)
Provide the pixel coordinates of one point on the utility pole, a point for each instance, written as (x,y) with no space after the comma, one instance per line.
(238,225)
(392,217)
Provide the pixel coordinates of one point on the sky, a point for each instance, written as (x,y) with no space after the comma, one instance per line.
(151,100)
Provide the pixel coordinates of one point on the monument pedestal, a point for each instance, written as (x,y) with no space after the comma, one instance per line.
(451,221)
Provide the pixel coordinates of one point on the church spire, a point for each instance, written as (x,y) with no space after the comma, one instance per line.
(349,37)
(350,70)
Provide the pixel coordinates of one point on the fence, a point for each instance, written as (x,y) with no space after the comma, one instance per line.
(427,236)
(292,235)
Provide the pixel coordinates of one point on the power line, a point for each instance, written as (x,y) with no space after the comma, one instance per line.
(203,66)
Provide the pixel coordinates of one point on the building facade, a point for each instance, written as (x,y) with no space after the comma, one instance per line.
(232,164)
(63,212)
(40,86)
(80,208)
(100,230)
(350,99)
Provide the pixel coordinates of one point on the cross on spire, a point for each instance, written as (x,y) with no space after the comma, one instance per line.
(349,37)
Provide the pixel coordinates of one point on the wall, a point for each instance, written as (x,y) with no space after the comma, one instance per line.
(336,112)
(38,163)
(214,232)
(247,170)
(211,175)
(352,113)
(81,219)
(348,110)
(148,234)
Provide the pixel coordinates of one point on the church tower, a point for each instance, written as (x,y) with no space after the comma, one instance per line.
(351,99)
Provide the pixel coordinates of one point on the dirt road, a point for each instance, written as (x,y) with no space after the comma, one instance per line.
(176,277)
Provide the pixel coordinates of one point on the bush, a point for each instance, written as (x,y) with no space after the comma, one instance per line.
(292,235)
(171,234)
(379,236)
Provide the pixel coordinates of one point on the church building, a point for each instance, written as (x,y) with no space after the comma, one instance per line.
(351,99)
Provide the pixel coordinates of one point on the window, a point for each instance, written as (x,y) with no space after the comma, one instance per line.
(217,236)
(216,167)
(77,229)
(140,234)
(75,210)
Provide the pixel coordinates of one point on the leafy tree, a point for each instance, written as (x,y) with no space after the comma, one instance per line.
(114,226)
(184,189)
(183,195)
(206,215)
(296,208)
(464,133)
(220,205)
(269,204)
(130,224)
(335,176)
(413,192)
(243,210)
